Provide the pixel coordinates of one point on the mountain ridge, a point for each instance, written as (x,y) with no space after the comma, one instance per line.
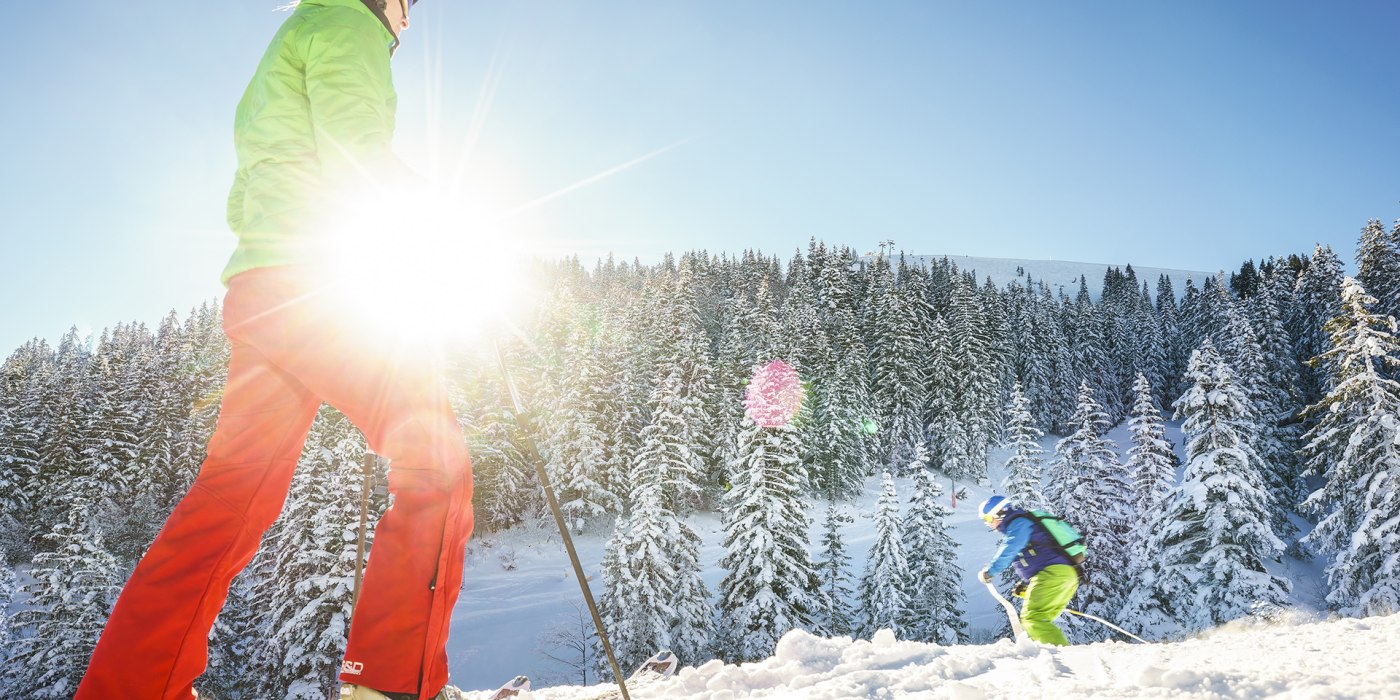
(1059,274)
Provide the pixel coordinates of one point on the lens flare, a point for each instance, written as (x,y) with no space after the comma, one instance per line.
(774,395)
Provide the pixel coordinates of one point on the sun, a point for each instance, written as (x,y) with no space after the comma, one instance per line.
(423,265)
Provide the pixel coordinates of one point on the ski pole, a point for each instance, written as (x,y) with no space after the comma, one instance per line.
(527,426)
(368,466)
(1106,623)
(1011,615)
(364,523)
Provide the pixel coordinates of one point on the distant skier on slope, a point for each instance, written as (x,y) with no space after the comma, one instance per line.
(312,134)
(1045,552)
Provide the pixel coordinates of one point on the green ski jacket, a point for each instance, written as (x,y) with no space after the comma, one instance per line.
(313,128)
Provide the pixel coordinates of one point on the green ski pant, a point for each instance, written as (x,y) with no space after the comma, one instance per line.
(1046,597)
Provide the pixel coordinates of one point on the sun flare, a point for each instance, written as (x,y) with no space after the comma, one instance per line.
(424,266)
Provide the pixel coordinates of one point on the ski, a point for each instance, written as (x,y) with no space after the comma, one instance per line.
(1011,614)
(661,665)
(512,688)
(1107,624)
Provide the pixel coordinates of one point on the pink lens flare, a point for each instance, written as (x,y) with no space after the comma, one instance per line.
(774,394)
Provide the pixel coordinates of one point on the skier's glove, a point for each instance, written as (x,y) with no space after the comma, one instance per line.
(1020,590)
(986,577)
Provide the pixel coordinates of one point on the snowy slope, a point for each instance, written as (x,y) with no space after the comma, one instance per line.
(503,615)
(1061,274)
(1286,659)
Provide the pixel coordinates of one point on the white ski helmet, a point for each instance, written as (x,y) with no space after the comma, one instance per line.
(992,508)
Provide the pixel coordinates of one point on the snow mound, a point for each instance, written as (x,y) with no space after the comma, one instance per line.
(1278,658)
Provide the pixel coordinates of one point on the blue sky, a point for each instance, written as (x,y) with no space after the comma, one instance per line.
(1188,135)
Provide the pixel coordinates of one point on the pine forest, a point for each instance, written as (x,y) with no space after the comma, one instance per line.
(1283,375)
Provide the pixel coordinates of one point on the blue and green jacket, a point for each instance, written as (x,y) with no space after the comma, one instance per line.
(1028,547)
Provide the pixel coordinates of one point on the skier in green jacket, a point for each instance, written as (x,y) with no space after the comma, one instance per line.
(312,134)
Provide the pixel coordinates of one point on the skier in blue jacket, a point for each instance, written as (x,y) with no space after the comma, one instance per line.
(1051,578)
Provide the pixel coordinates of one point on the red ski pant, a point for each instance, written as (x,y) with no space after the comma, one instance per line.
(292,350)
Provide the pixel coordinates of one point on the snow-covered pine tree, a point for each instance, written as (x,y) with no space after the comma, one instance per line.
(805,345)
(71,587)
(64,403)
(1084,450)
(671,437)
(1025,466)
(1280,399)
(122,507)
(998,350)
(20,432)
(1086,485)
(1189,327)
(1084,331)
(1115,314)
(1053,403)
(687,354)
(1212,537)
(1378,267)
(165,371)
(1394,302)
(836,280)
(749,338)
(8,582)
(1149,350)
(1151,462)
(1212,315)
(833,568)
(205,359)
(1240,347)
(632,353)
(653,596)
(1318,296)
(1355,446)
(803,341)
(770,586)
(734,357)
(934,598)
(507,490)
(1151,470)
(883,586)
(896,352)
(976,373)
(841,414)
(619,394)
(1032,364)
(941,408)
(1174,352)
(577,443)
(692,631)
(1270,312)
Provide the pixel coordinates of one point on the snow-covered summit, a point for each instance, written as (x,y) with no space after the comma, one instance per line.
(1342,658)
